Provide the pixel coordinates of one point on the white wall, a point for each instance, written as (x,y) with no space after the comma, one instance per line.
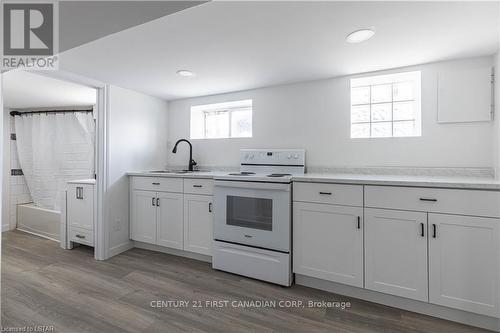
(137,139)
(496,136)
(316,116)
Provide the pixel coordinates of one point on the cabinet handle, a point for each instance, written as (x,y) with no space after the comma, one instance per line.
(79,236)
(326,193)
(428,199)
(158,202)
(209,207)
(155,183)
(422,230)
(434,231)
(79,192)
(197,185)
(359,222)
(153,201)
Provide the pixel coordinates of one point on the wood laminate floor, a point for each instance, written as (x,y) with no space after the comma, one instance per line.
(42,284)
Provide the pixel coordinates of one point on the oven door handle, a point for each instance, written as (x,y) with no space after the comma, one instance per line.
(253,185)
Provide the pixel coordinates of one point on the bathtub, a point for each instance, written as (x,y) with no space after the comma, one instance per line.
(39,221)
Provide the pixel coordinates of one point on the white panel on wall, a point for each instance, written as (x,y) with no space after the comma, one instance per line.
(464,95)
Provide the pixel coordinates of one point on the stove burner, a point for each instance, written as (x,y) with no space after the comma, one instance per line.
(278,175)
(243,173)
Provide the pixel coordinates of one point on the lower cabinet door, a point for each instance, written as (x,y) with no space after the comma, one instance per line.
(328,242)
(464,263)
(396,253)
(198,223)
(143,216)
(169,220)
(80,206)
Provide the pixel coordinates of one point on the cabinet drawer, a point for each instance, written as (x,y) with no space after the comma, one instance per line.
(81,236)
(350,195)
(157,184)
(199,186)
(463,202)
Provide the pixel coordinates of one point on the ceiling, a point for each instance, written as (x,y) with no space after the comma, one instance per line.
(243,45)
(24,90)
(81,22)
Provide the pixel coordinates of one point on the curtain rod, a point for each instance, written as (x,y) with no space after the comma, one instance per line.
(17,113)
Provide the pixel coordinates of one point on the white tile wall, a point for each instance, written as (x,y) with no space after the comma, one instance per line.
(19,192)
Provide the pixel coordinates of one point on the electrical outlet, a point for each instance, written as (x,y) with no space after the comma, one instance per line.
(117,225)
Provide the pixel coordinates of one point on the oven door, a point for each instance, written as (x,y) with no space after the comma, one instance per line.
(254,214)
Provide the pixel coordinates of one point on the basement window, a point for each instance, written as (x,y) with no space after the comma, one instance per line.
(386,106)
(222,120)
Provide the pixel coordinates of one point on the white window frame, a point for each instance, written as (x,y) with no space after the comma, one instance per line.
(393,78)
(226,107)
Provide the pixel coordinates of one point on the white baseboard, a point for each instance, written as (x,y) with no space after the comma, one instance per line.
(175,252)
(5,227)
(38,234)
(433,310)
(120,248)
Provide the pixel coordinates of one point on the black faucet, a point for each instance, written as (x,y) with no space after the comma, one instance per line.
(191,161)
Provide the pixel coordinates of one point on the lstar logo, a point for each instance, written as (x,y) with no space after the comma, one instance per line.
(28,29)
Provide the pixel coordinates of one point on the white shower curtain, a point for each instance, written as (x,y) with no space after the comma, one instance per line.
(54,148)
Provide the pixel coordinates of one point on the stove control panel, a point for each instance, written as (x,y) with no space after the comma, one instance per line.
(295,157)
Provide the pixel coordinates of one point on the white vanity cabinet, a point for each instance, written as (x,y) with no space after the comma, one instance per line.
(172,212)
(328,237)
(80,212)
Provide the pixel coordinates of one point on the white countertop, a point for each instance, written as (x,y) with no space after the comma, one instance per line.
(90,181)
(196,174)
(362,179)
(402,180)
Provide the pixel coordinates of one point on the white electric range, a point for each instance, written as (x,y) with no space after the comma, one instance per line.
(252,227)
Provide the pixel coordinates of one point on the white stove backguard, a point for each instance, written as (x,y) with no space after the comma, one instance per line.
(290,161)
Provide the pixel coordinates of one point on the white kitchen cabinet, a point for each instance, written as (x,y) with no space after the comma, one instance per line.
(169,220)
(328,242)
(396,253)
(143,216)
(464,263)
(198,223)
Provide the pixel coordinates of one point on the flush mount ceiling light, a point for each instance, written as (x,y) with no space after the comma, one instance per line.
(185,72)
(359,36)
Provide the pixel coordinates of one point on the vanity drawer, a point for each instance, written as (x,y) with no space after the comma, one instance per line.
(452,201)
(198,186)
(157,184)
(81,236)
(337,194)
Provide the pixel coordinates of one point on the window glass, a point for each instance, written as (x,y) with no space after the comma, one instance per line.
(386,106)
(222,120)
